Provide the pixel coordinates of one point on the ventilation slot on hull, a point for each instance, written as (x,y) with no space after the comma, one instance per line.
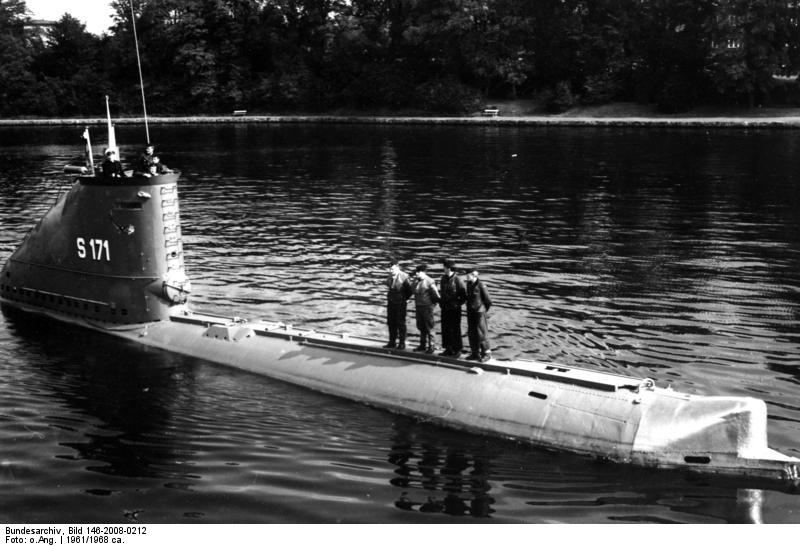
(697,459)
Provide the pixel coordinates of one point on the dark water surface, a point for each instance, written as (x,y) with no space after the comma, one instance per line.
(672,254)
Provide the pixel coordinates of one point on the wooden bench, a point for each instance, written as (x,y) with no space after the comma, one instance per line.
(491,112)
(240,112)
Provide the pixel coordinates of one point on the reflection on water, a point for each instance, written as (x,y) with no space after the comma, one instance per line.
(669,254)
(452,481)
(438,473)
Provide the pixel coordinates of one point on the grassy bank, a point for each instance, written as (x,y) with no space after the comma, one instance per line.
(510,113)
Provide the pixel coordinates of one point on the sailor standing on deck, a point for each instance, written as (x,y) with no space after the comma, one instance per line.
(478,304)
(399,290)
(426,295)
(453,294)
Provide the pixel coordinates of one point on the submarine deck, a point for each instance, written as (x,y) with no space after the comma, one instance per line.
(225,327)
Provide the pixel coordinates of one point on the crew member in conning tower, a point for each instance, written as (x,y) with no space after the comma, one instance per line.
(149,164)
(111,167)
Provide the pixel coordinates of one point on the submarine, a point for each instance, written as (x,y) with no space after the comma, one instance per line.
(108,256)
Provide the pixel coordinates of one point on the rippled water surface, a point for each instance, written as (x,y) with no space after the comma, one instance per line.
(672,254)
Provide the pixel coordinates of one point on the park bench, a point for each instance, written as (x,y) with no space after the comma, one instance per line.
(240,112)
(491,112)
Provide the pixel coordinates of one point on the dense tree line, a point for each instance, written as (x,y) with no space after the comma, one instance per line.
(443,56)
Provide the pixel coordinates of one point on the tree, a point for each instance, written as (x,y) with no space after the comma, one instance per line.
(438,55)
(499,50)
(752,42)
(609,58)
(70,69)
(19,92)
(673,42)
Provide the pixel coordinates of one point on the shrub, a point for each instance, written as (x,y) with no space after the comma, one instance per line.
(285,91)
(677,94)
(379,86)
(601,88)
(785,92)
(560,99)
(447,96)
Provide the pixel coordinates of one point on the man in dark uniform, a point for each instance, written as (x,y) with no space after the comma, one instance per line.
(144,165)
(453,294)
(399,290)
(149,164)
(478,304)
(111,167)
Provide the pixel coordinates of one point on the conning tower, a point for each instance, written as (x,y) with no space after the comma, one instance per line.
(109,250)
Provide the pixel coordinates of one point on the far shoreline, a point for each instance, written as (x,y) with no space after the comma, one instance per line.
(565,120)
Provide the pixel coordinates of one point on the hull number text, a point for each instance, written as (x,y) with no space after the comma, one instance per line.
(96,249)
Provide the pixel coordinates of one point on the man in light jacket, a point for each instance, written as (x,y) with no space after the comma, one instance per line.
(426,295)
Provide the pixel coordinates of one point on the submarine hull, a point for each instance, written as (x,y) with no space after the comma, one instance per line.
(602,415)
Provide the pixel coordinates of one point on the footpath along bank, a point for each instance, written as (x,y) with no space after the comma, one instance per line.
(782,121)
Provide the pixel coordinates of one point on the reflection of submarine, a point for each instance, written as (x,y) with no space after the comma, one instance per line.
(439,471)
(109,256)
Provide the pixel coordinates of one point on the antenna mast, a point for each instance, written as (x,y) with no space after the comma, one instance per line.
(141,80)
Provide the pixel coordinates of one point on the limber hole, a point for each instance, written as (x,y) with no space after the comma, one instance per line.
(128,205)
(697,459)
(538,395)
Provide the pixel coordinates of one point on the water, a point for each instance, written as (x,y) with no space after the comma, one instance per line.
(671,254)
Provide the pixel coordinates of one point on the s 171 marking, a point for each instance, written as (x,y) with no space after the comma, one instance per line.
(98,247)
